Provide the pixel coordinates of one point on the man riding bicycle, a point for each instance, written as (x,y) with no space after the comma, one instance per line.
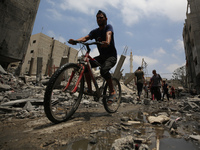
(108,53)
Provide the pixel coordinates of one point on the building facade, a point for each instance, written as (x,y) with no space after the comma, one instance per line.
(16,23)
(46,53)
(191,39)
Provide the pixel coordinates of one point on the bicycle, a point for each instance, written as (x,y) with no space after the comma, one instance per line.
(65,89)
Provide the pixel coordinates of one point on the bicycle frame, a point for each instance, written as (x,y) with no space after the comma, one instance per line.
(86,63)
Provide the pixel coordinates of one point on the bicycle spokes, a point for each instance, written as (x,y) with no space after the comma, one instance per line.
(60,103)
(111,105)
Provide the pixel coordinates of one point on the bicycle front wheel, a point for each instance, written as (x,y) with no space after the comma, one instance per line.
(112,107)
(60,102)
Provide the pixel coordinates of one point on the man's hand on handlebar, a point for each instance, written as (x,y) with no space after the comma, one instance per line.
(72,41)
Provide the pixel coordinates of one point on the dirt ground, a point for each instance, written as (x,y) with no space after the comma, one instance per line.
(40,133)
(78,132)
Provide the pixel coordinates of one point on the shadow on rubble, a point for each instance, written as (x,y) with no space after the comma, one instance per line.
(77,117)
(88,115)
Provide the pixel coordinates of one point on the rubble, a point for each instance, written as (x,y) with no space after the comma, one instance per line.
(159,119)
(21,98)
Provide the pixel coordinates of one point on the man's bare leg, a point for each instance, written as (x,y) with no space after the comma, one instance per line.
(111,88)
(88,81)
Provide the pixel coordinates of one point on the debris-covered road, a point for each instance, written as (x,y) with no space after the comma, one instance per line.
(145,124)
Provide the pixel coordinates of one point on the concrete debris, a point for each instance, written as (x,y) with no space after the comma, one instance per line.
(2,71)
(129,143)
(159,119)
(133,122)
(28,106)
(123,143)
(4,87)
(22,102)
(195,137)
(22,98)
(171,124)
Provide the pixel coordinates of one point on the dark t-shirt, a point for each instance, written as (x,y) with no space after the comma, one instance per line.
(156,80)
(139,74)
(165,87)
(100,35)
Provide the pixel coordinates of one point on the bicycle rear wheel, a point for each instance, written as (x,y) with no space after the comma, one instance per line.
(59,103)
(113,107)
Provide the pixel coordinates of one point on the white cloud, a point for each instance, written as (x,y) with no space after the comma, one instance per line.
(173,67)
(130,16)
(129,33)
(51,33)
(85,31)
(57,37)
(87,6)
(179,46)
(148,60)
(51,2)
(54,14)
(132,11)
(174,56)
(159,52)
(61,39)
(174,10)
(137,61)
(168,40)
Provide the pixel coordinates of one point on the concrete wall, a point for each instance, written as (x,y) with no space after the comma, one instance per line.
(16,23)
(50,50)
(191,38)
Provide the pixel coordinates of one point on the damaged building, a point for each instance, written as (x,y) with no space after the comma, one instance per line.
(16,23)
(46,54)
(191,38)
(23,54)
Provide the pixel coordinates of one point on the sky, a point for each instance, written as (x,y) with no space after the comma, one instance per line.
(150,29)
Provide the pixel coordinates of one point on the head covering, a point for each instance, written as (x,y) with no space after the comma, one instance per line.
(101,12)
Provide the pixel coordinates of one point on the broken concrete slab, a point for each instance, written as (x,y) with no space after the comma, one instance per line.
(16,102)
(191,106)
(134,122)
(159,119)
(195,137)
(130,123)
(9,109)
(4,87)
(28,106)
(20,95)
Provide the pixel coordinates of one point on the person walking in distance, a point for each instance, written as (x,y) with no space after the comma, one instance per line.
(139,81)
(107,51)
(172,92)
(155,85)
(165,90)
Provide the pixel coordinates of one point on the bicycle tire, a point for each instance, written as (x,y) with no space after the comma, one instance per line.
(113,107)
(60,104)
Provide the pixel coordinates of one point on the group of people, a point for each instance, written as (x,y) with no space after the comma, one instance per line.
(154,86)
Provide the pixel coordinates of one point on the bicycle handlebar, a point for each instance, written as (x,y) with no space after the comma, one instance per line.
(88,43)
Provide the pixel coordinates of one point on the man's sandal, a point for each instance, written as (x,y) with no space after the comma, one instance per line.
(112,98)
